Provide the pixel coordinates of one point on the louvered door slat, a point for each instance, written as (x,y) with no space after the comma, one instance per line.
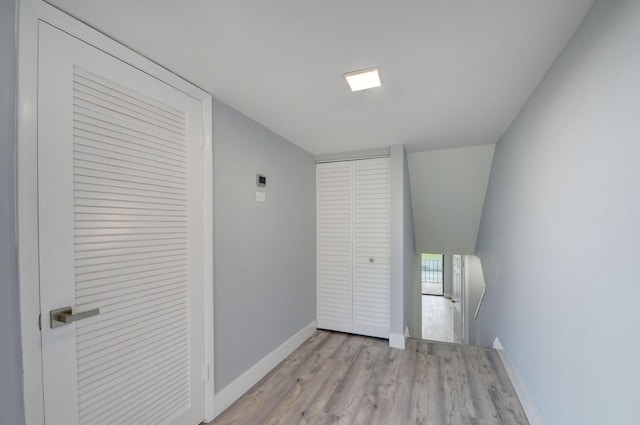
(124,287)
(372,238)
(130,195)
(334,253)
(100,134)
(126,98)
(141,342)
(100,101)
(142,138)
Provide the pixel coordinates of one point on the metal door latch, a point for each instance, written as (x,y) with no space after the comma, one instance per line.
(64,316)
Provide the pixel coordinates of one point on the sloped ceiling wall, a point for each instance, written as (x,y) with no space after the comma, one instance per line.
(448,188)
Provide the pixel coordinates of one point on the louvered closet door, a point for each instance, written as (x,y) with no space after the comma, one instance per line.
(120,218)
(334,253)
(353,215)
(371,240)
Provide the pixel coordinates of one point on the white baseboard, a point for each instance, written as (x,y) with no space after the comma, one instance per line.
(225,397)
(530,408)
(397,340)
(497,345)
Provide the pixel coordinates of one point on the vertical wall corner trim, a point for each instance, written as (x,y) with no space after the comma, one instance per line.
(529,406)
(497,345)
(244,382)
(397,341)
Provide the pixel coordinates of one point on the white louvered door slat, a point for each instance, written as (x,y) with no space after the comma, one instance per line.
(372,238)
(120,199)
(353,216)
(334,258)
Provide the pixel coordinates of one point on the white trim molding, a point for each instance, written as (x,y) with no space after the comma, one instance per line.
(529,406)
(355,155)
(397,341)
(244,382)
(207,252)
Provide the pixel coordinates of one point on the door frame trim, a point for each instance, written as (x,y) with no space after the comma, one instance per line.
(30,12)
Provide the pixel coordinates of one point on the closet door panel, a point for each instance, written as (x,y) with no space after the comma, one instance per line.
(334,247)
(371,246)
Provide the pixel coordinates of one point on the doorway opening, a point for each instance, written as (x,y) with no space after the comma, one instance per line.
(432,273)
(437,308)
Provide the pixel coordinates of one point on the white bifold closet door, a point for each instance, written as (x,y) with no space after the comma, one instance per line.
(120,216)
(334,216)
(353,246)
(372,247)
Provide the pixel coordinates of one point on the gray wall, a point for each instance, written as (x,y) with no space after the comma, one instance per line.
(449,187)
(11,402)
(560,234)
(264,253)
(448,274)
(397,239)
(404,290)
(474,284)
(412,284)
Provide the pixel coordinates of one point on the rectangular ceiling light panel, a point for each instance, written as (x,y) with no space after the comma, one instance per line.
(362,80)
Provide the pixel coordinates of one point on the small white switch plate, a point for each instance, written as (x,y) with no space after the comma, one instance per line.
(261,196)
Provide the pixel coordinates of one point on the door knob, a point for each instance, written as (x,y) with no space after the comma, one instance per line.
(64,316)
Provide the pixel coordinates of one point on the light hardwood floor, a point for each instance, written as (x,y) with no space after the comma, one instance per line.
(437,318)
(336,378)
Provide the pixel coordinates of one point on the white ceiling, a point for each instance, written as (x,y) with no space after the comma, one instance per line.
(455,72)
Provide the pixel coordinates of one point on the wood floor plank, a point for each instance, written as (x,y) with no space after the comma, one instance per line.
(347,397)
(335,378)
(403,390)
(455,385)
(382,412)
(418,413)
(481,382)
(338,368)
(299,394)
(254,406)
(435,392)
(363,412)
(310,385)
(383,383)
